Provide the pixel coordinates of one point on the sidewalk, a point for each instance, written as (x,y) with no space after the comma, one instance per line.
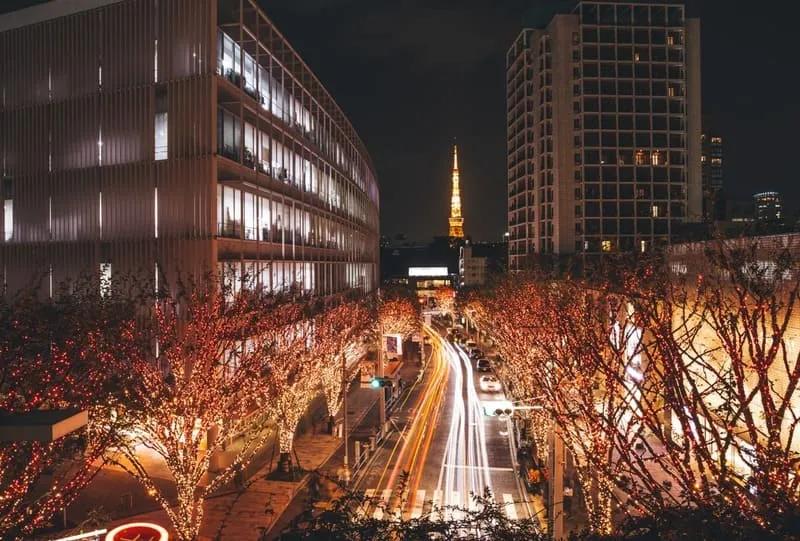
(298,505)
(237,515)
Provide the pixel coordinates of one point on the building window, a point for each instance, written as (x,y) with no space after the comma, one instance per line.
(654,211)
(641,157)
(105,279)
(161,127)
(656,158)
(606,245)
(643,246)
(8,220)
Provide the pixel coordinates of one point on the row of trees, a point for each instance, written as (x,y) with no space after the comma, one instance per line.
(669,389)
(181,376)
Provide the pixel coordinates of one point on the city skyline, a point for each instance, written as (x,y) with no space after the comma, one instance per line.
(441,68)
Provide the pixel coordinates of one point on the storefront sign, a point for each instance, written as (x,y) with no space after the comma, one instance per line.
(138,531)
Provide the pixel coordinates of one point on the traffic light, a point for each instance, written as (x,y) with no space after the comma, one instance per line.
(377,382)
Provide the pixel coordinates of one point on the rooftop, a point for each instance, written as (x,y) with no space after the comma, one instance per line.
(47,11)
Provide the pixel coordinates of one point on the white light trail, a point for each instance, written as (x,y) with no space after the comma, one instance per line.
(465,465)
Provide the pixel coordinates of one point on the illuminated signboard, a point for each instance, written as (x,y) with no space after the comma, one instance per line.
(138,531)
(428,271)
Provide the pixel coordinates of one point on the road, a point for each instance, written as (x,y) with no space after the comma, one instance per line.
(445,448)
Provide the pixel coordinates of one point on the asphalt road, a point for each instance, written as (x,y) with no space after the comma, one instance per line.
(445,447)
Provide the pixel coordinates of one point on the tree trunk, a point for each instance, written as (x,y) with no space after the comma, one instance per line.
(187,515)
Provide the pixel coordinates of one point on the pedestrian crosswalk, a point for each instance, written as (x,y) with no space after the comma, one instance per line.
(385,504)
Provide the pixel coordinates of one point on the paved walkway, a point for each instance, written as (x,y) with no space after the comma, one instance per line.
(330,469)
(238,515)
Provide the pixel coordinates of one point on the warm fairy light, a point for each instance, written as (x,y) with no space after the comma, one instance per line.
(399,315)
(222,365)
(54,356)
(658,379)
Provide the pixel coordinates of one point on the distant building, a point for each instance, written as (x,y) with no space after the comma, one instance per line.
(711,170)
(740,210)
(603,129)
(471,269)
(768,207)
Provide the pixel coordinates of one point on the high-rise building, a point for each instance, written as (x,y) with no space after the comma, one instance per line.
(768,207)
(603,105)
(176,135)
(711,167)
(456,220)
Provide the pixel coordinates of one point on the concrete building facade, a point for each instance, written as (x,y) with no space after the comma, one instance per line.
(603,109)
(171,136)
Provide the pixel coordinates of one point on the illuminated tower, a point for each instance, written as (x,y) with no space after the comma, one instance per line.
(456,220)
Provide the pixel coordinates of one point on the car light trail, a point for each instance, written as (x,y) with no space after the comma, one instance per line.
(465,464)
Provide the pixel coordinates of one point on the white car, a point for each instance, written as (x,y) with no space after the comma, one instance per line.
(490,384)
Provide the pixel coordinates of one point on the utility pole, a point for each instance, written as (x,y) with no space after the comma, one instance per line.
(381,374)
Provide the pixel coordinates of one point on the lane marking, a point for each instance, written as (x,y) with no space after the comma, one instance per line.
(383,504)
(419,501)
(511,507)
(368,495)
(487,468)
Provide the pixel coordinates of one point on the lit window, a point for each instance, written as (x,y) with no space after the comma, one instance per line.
(635,57)
(656,158)
(643,245)
(8,220)
(641,157)
(716,140)
(716,161)
(655,211)
(606,245)
(155,211)
(671,91)
(105,279)
(703,159)
(155,61)
(670,40)
(161,127)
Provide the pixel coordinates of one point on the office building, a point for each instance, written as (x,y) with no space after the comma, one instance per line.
(711,167)
(768,207)
(603,105)
(176,135)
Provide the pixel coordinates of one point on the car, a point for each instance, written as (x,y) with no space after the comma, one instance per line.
(475,353)
(490,384)
(484,365)
(472,344)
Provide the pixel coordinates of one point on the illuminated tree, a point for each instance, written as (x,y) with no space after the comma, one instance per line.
(445,300)
(398,315)
(339,341)
(726,345)
(210,373)
(668,390)
(55,355)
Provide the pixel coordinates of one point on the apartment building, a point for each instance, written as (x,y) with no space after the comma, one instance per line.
(603,110)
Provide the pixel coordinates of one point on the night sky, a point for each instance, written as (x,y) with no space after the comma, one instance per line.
(412,75)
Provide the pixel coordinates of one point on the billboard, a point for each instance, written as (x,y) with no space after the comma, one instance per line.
(428,271)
